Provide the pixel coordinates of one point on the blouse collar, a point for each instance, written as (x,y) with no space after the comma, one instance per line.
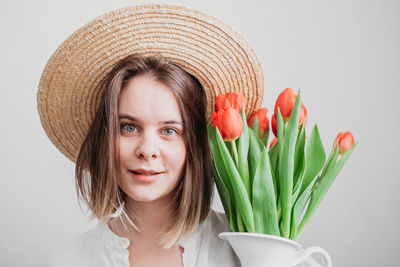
(111,238)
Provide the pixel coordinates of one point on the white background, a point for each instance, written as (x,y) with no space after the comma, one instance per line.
(344,55)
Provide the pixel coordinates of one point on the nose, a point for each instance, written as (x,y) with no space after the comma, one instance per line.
(147,147)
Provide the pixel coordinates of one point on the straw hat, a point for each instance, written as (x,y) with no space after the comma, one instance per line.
(209,49)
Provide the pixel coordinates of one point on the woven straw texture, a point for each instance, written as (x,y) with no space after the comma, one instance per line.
(209,49)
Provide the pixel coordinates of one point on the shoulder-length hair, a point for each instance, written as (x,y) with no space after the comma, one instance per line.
(97,165)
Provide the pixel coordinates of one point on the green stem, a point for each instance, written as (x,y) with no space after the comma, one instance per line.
(279,213)
(235,153)
(304,221)
(241,227)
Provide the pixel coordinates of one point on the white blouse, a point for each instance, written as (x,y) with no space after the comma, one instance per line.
(100,247)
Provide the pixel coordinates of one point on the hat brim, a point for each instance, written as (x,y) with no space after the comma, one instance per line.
(71,83)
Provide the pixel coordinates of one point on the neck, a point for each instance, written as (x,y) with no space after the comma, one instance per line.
(151,218)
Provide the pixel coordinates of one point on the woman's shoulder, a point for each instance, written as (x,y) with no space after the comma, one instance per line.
(77,251)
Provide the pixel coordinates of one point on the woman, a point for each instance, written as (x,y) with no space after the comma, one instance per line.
(143,167)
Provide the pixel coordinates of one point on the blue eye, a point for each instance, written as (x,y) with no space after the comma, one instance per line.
(169,131)
(129,128)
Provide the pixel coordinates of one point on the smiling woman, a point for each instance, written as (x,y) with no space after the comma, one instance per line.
(152,147)
(128,99)
(154,135)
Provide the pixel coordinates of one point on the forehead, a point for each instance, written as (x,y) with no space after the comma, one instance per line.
(146,98)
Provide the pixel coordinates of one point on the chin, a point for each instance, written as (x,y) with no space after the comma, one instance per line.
(148,192)
(145,196)
(144,199)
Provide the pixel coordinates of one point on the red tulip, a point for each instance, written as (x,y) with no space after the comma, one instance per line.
(274,125)
(233,100)
(344,141)
(229,123)
(273,142)
(285,102)
(263,121)
(303,115)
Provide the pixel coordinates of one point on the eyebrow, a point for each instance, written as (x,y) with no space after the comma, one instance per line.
(132,118)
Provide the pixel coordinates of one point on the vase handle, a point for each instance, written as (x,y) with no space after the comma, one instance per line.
(311,250)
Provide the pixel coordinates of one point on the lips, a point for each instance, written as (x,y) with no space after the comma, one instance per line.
(145,175)
(146,171)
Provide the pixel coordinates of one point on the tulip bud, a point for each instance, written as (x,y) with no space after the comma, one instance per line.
(343,141)
(303,115)
(233,100)
(229,123)
(285,102)
(263,121)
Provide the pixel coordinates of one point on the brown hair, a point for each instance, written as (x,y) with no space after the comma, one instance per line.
(97,165)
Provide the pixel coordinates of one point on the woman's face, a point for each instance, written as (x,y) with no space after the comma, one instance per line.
(152,148)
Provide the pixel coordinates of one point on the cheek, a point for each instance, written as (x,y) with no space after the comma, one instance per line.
(124,150)
(177,155)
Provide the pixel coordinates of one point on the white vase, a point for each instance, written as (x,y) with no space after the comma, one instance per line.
(259,250)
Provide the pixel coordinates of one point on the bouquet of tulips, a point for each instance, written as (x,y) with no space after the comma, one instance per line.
(271,190)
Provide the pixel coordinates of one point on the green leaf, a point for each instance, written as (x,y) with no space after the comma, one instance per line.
(321,187)
(279,208)
(264,202)
(315,158)
(241,196)
(313,162)
(265,138)
(273,155)
(331,160)
(299,161)
(280,125)
(277,148)
(243,150)
(217,159)
(255,149)
(286,166)
(223,175)
(297,186)
(241,227)
(225,200)
(299,208)
(255,126)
